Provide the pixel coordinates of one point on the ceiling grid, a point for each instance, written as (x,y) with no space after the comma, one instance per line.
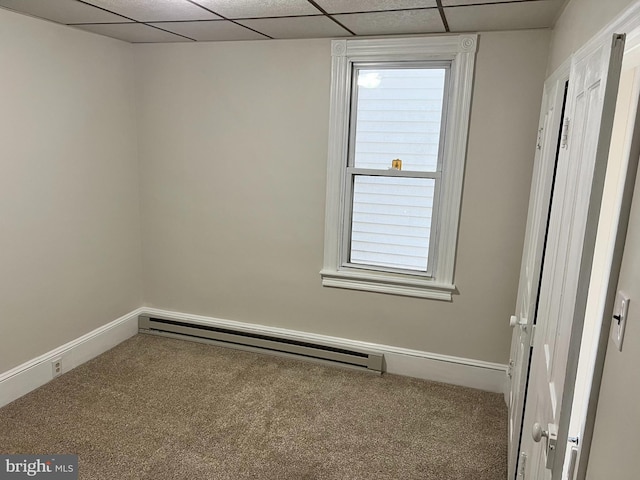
(152,21)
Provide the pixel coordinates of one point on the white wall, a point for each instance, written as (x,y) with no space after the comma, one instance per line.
(69,209)
(233,149)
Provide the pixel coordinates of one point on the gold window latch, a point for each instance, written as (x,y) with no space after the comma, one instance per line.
(396,164)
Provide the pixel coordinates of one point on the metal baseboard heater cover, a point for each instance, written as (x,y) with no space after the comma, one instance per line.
(258,342)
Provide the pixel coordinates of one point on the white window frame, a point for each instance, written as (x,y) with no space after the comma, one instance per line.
(460,51)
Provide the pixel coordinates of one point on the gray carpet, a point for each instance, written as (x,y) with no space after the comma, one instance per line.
(156,408)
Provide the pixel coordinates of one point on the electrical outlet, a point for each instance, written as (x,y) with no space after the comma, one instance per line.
(56,367)
(619,321)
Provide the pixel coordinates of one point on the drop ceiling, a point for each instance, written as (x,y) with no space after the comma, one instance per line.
(149,21)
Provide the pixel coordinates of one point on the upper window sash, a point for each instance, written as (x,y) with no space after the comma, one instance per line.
(394,65)
(459,52)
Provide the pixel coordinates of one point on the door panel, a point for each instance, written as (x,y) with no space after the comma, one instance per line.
(533,252)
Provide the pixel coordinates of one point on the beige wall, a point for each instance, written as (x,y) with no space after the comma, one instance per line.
(69,222)
(233,147)
(581,20)
(615,443)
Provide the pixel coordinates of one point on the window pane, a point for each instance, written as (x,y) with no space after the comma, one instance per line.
(399,114)
(391,223)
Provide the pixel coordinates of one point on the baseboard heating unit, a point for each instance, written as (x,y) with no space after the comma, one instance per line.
(259,342)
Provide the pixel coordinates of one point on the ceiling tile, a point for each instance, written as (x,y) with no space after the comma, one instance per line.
(259,8)
(61,11)
(297,27)
(211,30)
(132,32)
(340,6)
(388,23)
(156,10)
(506,16)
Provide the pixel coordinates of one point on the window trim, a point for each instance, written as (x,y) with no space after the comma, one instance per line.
(460,51)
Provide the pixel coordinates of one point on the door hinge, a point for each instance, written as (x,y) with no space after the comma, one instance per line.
(510,368)
(572,463)
(522,465)
(532,335)
(565,133)
(539,141)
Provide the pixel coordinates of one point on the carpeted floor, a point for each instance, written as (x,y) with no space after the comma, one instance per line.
(156,408)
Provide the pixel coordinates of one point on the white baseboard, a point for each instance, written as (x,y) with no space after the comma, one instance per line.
(401,361)
(30,375)
(466,372)
(453,370)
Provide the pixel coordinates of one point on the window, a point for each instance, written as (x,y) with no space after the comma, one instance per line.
(398,133)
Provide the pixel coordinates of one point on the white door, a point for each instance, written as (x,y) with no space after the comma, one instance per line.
(620,180)
(530,270)
(571,239)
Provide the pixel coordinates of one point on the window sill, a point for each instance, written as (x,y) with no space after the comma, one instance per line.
(379,282)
